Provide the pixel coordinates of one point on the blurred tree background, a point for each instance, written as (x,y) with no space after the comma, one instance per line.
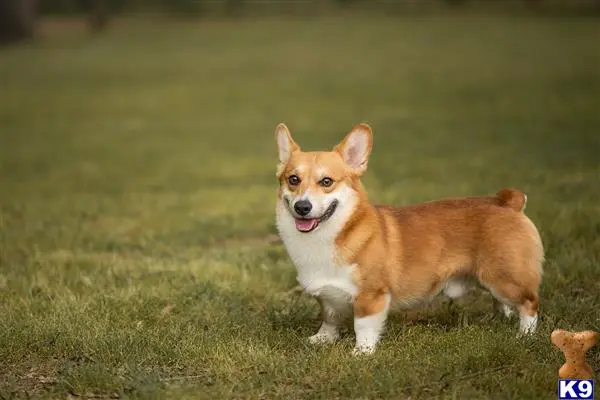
(18,17)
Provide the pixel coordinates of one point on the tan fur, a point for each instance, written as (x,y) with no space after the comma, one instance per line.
(309,162)
(412,251)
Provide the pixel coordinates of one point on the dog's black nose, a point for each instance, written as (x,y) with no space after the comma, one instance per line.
(303,207)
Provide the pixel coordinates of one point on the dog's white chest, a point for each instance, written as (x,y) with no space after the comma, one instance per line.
(318,272)
(315,257)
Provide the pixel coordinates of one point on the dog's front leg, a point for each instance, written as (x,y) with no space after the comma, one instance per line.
(370,314)
(333,315)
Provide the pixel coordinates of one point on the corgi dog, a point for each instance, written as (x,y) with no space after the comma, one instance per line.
(358,259)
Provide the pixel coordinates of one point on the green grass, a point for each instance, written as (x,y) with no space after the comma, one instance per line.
(138,190)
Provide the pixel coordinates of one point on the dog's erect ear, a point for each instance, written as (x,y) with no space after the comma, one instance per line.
(356,148)
(286,146)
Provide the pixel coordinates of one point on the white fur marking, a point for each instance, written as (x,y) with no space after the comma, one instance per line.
(328,333)
(320,270)
(506,310)
(456,288)
(320,173)
(528,324)
(368,329)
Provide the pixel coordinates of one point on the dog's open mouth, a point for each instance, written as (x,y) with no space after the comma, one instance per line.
(310,224)
(307,225)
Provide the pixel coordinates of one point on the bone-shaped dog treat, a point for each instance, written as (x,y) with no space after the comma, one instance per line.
(574,345)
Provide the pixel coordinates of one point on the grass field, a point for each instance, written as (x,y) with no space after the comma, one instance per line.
(137,184)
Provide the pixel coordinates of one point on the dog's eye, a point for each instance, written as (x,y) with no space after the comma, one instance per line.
(293,180)
(326,182)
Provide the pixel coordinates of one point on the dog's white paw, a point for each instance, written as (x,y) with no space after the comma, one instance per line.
(323,338)
(528,324)
(363,350)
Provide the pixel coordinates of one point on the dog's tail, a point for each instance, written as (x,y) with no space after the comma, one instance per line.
(512,198)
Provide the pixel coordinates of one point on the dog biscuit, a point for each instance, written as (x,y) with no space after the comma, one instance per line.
(574,345)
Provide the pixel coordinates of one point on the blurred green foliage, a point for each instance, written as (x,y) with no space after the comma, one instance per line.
(195,7)
(78,6)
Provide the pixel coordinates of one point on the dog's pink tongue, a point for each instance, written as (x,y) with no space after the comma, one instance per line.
(306,225)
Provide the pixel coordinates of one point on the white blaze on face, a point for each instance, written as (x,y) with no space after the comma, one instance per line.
(319,200)
(320,173)
(345,196)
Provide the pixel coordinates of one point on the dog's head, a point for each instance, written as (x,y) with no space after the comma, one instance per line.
(315,185)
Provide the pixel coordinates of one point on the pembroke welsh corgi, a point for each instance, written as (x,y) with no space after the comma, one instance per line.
(357,258)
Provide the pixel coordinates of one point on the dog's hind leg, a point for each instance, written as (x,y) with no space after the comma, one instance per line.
(513,294)
(503,308)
